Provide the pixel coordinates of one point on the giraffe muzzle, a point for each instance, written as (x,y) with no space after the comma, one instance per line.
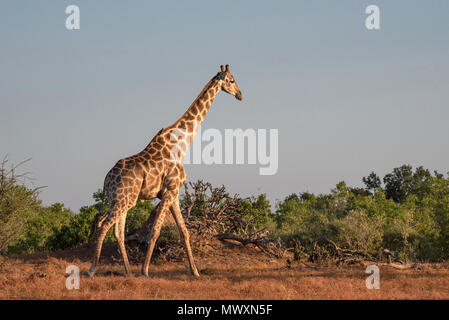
(238,96)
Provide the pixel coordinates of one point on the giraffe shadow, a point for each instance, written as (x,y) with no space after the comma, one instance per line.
(109,254)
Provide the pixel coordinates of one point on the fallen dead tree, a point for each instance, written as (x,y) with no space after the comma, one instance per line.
(267,245)
(397,263)
(343,255)
(349,256)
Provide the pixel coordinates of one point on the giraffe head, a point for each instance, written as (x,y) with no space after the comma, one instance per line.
(228,83)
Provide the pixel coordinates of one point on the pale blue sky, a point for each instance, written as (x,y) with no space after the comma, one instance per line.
(345,100)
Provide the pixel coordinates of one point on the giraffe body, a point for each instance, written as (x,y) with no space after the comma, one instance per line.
(158,172)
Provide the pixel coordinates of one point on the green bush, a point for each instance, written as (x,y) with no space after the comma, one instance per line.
(414,224)
(18,205)
(137,216)
(76,232)
(43,223)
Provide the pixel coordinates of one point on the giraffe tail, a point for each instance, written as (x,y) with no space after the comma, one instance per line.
(102,220)
(103,215)
(98,222)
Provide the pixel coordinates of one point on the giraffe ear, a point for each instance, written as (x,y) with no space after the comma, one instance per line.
(222,68)
(227,67)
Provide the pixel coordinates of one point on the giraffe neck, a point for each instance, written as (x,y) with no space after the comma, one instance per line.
(195,114)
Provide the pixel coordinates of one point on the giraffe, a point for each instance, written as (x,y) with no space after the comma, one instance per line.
(158,172)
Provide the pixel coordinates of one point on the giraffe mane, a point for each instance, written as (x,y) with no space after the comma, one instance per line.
(206,87)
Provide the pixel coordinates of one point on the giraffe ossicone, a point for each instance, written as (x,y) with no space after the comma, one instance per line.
(158,172)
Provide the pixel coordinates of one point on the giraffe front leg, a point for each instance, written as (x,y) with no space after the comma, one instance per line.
(161,210)
(177,215)
(119,233)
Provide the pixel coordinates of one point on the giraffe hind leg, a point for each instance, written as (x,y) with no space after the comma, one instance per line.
(161,210)
(99,243)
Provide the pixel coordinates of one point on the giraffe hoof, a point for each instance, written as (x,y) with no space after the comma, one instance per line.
(196,274)
(145,273)
(91,272)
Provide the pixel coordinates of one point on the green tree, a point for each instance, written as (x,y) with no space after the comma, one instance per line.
(403,182)
(398,183)
(372,182)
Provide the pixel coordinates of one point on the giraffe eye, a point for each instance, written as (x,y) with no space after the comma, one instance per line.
(232,81)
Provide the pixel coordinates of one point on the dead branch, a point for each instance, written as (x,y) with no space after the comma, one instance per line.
(391,257)
(343,255)
(267,245)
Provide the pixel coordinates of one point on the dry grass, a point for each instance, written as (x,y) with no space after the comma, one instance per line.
(236,274)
